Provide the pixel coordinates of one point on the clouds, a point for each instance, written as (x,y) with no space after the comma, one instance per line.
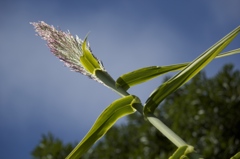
(38,94)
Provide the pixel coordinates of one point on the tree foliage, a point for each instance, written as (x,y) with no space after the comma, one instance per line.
(51,147)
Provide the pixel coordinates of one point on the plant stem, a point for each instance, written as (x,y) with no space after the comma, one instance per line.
(174,138)
(110,82)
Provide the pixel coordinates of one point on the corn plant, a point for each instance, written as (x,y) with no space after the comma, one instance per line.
(77,55)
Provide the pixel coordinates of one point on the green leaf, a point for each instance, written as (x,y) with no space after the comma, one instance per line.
(147,73)
(180,152)
(185,152)
(88,60)
(118,109)
(232,52)
(187,73)
(236,156)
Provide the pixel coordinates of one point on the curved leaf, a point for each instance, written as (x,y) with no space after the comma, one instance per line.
(180,152)
(185,152)
(236,156)
(118,109)
(88,60)
(147,73)
(186,74)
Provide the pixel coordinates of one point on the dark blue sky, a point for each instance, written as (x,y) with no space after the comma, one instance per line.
(38,94)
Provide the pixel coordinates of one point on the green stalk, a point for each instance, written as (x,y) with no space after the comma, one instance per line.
(109,82)
(174,138)
(158,124)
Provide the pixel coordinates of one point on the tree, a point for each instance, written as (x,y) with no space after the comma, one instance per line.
(204,112)
(51,148)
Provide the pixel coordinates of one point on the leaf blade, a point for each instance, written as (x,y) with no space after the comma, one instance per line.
(147,73)
(186,74)
(116,110)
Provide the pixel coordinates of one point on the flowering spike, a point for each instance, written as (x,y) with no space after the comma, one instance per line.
(74,52)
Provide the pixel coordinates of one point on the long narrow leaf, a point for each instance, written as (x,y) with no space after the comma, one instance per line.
(186,74)
(236,156)
(185,152)
(118,109)
(228,53)
(147,73)
(182,152)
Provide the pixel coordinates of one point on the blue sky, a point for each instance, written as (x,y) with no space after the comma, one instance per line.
(39,95)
